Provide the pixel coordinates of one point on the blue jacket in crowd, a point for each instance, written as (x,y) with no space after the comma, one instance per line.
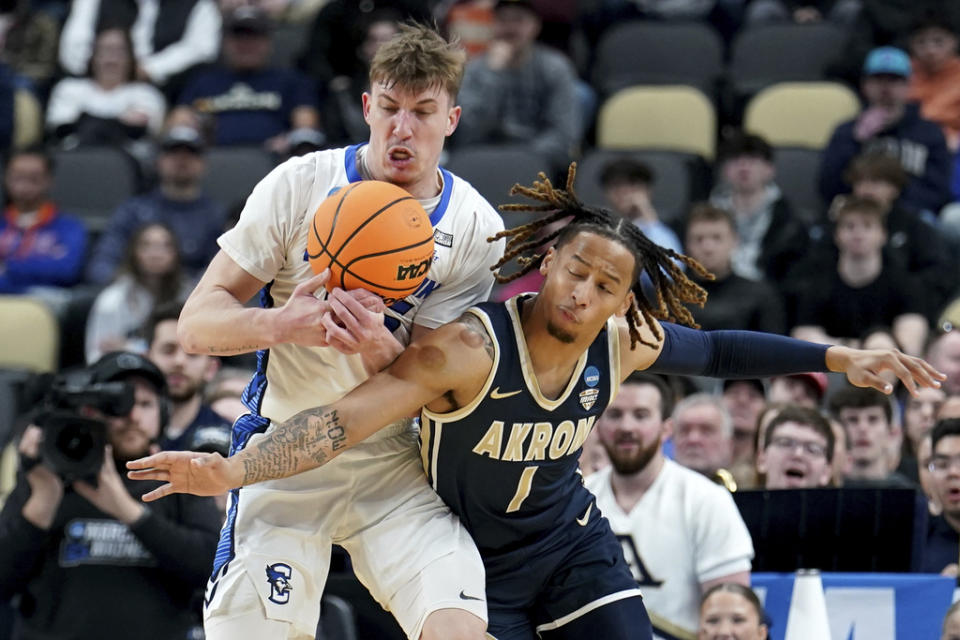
(48,253)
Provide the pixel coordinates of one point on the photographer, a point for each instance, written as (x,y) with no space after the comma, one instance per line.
(85,557)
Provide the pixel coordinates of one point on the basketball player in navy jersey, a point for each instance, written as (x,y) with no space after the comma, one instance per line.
(509,393)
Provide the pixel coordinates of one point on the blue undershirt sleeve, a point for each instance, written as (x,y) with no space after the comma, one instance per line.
(735,354)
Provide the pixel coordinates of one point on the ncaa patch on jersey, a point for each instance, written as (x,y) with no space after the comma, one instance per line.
(588,397)
(591,376)
(442,238)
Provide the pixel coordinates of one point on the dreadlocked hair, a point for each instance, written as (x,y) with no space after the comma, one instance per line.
(673,288)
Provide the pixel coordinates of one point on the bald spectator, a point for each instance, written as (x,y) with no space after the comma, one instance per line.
(703,435)
(872,435)
(798,450)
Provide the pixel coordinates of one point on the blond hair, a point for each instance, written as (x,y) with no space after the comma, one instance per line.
(418,58)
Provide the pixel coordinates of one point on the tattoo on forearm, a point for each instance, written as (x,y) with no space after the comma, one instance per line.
(243,348)
(475,335)
(305,441)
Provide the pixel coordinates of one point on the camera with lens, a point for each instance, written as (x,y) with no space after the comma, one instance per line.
(73,439)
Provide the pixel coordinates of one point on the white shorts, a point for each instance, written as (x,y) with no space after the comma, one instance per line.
(406,546)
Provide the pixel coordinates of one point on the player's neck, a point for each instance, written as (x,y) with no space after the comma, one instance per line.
(629,489)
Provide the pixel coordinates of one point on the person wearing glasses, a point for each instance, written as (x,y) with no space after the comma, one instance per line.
(943,531)
(797,451)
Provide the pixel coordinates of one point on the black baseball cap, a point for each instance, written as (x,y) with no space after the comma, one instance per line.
(248,19)
(119,365)
(182,137)
(523,4)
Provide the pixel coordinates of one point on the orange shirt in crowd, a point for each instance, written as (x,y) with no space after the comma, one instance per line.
(939,97)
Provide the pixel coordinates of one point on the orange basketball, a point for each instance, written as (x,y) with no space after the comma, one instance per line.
(372,235)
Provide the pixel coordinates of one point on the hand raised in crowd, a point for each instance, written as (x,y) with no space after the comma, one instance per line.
(46,487)
(110,495)
(863,368)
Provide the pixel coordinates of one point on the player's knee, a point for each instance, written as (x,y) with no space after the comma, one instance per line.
(453,624)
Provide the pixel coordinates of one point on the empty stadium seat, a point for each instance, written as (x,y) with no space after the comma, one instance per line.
(800,114)
(667,118)
(645,52)
(797,172)
(769,54)
(493,170)
(232,172)
(91,182)
(29,335)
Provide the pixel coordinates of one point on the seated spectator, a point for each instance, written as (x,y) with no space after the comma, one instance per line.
(911,239)
(331,47)
(150,275)
(187,375)
(801,389)
(798,450)
(771,237)
(864,289)
(943,538)
(470,22)
(924,453)
(178,202)
(731,611)
(243,100)
(935,82)
(735,301)
(681,534)
(744,400)
(169,38)
(871,433)
(951,623)
(703,436)
(919,417)
(107,106)
(891,125)
(840,12)
(520,92)
(943,353)
(39,245)
(628,189)
(30,42)
(86,558)
(343,118)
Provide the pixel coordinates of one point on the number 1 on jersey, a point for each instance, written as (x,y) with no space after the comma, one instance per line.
(523,488)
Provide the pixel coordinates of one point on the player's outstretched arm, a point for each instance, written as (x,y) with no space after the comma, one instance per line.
(749,354)
(443,363)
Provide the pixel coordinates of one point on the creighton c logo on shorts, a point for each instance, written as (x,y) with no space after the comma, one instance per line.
(278,575)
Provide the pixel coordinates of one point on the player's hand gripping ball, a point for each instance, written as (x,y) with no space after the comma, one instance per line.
(372,235)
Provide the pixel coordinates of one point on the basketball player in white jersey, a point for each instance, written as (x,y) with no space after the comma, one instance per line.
(681,533)
(406,546)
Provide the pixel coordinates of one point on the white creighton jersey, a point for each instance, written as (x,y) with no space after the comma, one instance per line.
(270,242)
(683,532)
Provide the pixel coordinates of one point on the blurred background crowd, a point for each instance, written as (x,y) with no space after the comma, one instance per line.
(804,151)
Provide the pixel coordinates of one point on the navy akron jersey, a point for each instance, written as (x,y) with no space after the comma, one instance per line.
(507,463)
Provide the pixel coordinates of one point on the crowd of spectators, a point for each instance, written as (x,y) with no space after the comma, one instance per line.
(168,82)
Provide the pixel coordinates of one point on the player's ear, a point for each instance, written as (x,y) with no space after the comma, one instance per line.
(366,101)
(762,461)
(453,119)
(626,304)
(547,260)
